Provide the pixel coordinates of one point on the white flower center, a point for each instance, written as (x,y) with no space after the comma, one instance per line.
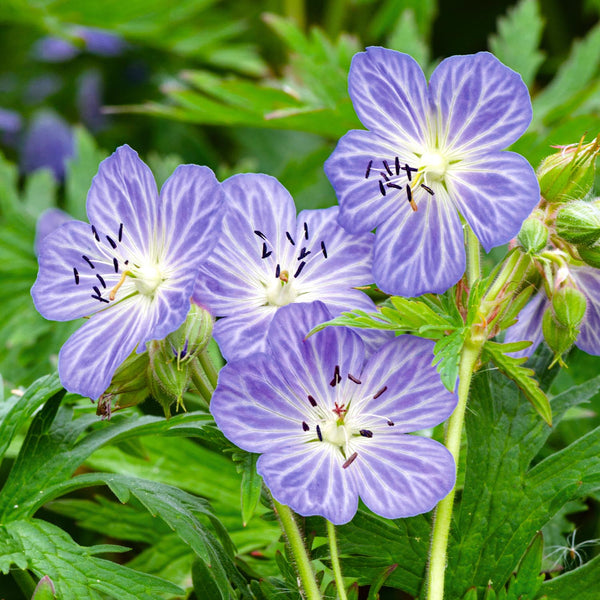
(281,293)
(336,433)
(147,278)
(434,165)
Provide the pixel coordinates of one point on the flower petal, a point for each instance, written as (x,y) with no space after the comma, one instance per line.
(479,103)
(309,364)
(420,252)
(64,288)
(255,409)
(389,93)
(495,193)
(124,191)
(529,325)
(244,332)
(190,213)
(90,357)
(415,397)
(588,281)
(400,476)
(310,480)
(338,259)
(355,170)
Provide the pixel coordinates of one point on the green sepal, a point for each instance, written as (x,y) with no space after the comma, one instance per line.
(590,255)
(557,336)
(471,594)
(569,306)
(533,236)
(579,223)
(515,307)
(44,590)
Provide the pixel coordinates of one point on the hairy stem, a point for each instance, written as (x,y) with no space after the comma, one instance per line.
(473,257)
(209,367)
(298,549)
(335,561)
(203,388)
(25,582)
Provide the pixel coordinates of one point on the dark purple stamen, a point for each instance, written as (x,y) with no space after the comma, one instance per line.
(397,165)
(289,237)
(76,275)
(394,185)
(387,167)
(390,423)
(381,188)
(312,401)
(266,254)
(323,249)
(101,280)
(111,242)
(95,288)
(126,262)
(305,231)
(337,378)
(366,433)
(384,175)
(99,297)
(427,189)
(409,193)
(305,426)
(299,269)
(95,234)
(120,232)
(88,261)
(319,434)
(277,272)
(260,234)
(409,171)
(354,379)
(303,253)
(350,460)
(184,350)
(380,392)
(368,169)
(116,265)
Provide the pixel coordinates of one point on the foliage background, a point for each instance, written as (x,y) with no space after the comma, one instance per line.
(242,86)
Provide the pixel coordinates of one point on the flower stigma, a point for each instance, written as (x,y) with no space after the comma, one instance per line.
(146,279)
(281,291)
(434,165)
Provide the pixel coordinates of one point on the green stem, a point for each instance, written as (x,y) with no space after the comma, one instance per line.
(443,513)
(209,368)
(25,582)
(335,561)
(201,386)
(473,257)
(296,544)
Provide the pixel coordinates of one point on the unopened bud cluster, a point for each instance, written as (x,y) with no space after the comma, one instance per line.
(164,371)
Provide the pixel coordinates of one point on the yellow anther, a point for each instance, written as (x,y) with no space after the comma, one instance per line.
(113,292)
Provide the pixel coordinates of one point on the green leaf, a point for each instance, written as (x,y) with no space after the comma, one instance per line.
(574,74)
(527,581)
(405,37)
(40,192)
(471,594)
(380,581)
(505,502)
(582,583)
(524,377)
(203,580)
(518,39)
(251,486)
(447,353)
(76,573)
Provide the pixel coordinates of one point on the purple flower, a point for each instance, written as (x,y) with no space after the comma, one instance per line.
(54,50)
(268,258)
(100,42)
(432,152)
(529,325)
(48,144)
(133,269)
(332,426)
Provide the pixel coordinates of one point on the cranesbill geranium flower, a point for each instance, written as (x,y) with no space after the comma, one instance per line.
(132,268)
(432,152)
(529,325)
(332,426)
(268,257)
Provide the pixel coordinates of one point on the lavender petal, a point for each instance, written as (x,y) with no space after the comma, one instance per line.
(529,325)
(588,281)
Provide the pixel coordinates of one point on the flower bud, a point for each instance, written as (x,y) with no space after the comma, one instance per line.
(533,236)
(569,174)
(569,306)
(193,335)
(557,336)
(44,590)
(590,254)
(579,223)
(169,377)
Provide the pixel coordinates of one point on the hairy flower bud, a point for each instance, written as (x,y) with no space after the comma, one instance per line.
(533,236)
(590,254)
(569,306)
(569,174)
(193,335)
(557,336)
(579,223)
